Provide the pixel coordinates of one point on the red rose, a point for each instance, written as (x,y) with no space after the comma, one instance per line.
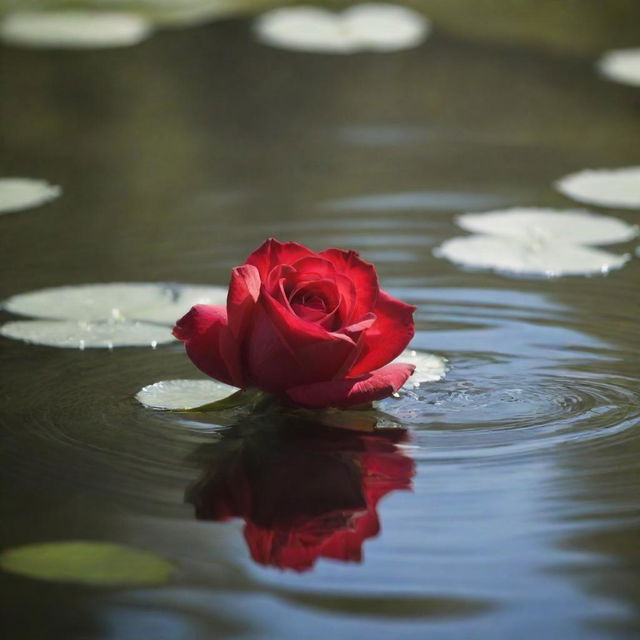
(304,491)
(312,328)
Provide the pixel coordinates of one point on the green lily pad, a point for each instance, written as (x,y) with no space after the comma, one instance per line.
(94,563)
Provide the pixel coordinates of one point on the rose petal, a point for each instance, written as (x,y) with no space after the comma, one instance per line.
(388,336)
(210,344)
(350,392)
(361,273)
(272,253)
(283,350)
(244,290)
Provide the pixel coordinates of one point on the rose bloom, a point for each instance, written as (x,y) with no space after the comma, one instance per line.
(314,329)
(304,493)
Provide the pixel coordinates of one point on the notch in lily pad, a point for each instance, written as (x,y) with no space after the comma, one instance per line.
(90,563)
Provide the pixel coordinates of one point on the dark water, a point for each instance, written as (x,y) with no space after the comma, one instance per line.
(177,158)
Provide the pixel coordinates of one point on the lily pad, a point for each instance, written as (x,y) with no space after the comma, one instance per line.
(621,65)
(22,193)
(73,29)
(549,225)
(87,335)
(179,395)
(364,27)
(525,257)
(618,188)
(151,302)
(429,367)
(93,563)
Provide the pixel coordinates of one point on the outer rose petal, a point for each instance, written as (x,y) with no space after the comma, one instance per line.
(361,273)
(350,392)
(210,344)
(283,350)
(272,253)
(388,336)
(244,290)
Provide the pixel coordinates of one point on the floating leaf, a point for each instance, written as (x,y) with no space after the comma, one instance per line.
(429,367)
(73,29)
(87,335)
(364,27)
(152,302)
(23,193)
(94,563)
(621,65)
(183,394)
(527,257)
(619,188)
(549,225)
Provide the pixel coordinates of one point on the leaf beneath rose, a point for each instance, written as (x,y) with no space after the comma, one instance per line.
(549,225)
(521,257)
(429,367)
(364,27)
(71,334)
(73,29)
(151,302)
(94,563)
(618,188)
(23,193)
(621,65)
(176,395)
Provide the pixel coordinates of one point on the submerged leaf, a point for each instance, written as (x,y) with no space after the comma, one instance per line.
(94,563)
(73,29)
(22,193)
(618,188)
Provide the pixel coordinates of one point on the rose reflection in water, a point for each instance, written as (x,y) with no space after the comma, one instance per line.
(305,491)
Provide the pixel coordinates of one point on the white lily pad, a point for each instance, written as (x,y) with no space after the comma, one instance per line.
(549,225)
(364,27)
(94,563)
(183,394)
(621,65)
(88,335)
(73,29)
(618,188)
(429,367)
(523,257)
(22,193)
(151,302)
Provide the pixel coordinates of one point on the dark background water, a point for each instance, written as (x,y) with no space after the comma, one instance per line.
(177,158)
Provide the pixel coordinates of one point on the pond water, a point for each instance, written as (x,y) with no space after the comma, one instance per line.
(511,506)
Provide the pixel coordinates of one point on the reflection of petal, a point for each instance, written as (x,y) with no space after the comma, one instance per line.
(526,258)
(304,491)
